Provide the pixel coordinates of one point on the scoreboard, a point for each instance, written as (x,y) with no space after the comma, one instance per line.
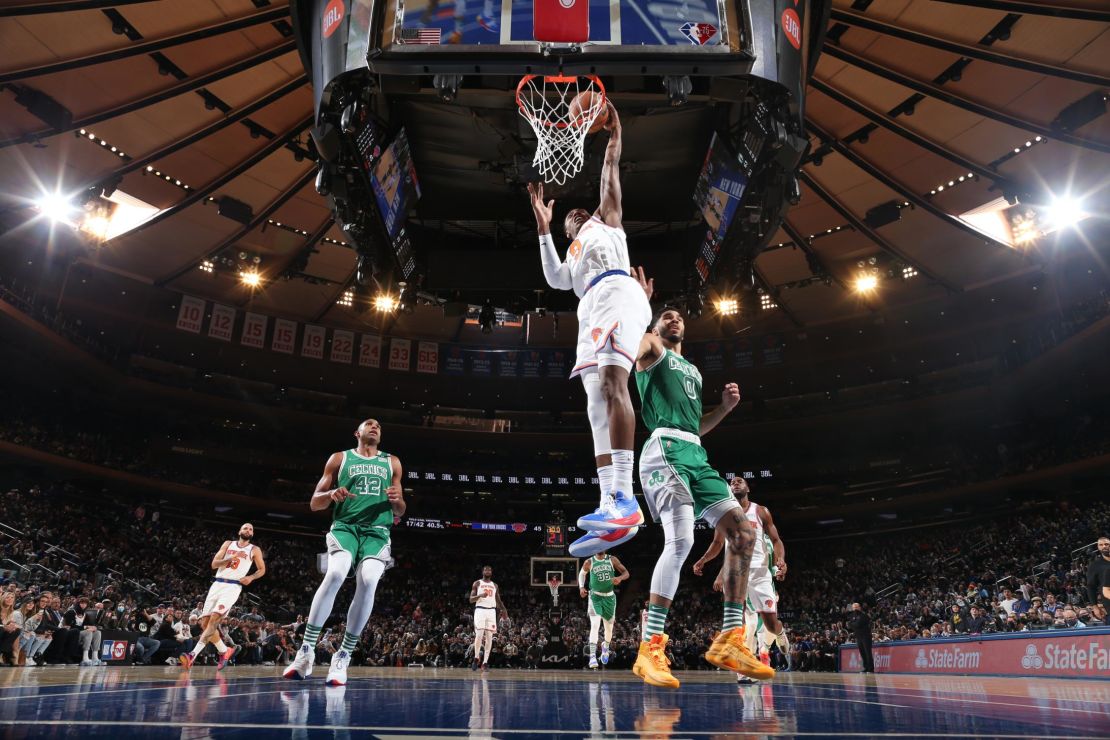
(555,539)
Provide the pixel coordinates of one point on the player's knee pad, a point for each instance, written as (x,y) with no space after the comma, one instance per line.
(598,412)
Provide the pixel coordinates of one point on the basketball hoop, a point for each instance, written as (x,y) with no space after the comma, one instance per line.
(553,584)
(545,102)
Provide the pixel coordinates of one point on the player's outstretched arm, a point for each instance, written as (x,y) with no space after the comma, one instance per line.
(610,209)
(260,568)
(221,558)
(325,494)
(622,572)
(730,396)
(777,545)
(395,493)
(555,271)
(711,552)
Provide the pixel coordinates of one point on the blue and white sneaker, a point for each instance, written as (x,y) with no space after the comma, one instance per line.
(592,543)
(593,662)
(617,511)
(605,653)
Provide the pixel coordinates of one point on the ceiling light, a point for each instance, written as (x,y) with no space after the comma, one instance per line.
(1065,212)
(866,283)
(347,299)
(385,303)
(908,272)
(55,207)
(251,279)
(207,266)
(766,302)
(728,306)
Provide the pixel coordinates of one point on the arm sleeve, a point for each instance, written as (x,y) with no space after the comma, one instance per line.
(581,578)
(555,271)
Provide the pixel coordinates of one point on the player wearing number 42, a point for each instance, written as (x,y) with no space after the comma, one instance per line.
(363,486)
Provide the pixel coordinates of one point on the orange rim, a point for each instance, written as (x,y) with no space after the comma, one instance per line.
(556,79)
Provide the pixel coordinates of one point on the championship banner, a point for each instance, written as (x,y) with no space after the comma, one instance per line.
(743,354)
(454,361)
(713,358)
(481,363)
(370,351)
(254,330)
(399,350)
(191,314)
(1083,653)
(507,364)
(312,345)
(772,349)
(342,345)
(427,357)
(530,364)
(285,334)
(222,323)
(556,362)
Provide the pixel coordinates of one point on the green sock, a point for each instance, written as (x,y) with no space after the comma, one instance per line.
(349,642)
(312,634)
(734,615)
(656,620)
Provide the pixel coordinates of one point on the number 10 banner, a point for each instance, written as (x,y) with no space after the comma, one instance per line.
(191,314)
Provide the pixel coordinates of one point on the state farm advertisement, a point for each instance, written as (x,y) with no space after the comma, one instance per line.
(1079,654)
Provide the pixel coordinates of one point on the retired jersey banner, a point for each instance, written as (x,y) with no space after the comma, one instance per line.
(222,323)
(454,360)
(191,314)
(713,358)
(530,364)
(342,346)
(370,351)
(399,350)
(312,345)
(285,334)
(254,330)
(507,364)
(1083,653)
(481,363)
(427,357)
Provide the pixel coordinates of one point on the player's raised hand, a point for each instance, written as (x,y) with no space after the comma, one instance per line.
(730,396)
(613,122)
(340,494)
(648,284)
(541,210)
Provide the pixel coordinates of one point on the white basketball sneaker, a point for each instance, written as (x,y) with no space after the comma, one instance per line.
(301,667)
(337,675)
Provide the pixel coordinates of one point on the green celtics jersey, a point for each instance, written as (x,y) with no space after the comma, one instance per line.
(367,478)
(601,575)
(671,394)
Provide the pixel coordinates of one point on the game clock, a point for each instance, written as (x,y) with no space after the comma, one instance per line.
(555,539)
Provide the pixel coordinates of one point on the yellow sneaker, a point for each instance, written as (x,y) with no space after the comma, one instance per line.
(652,664)
(730,652)
(657,723)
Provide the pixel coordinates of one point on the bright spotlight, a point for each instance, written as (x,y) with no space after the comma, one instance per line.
(866,283)
(728,306)
(1065,212)
(250,279)
(385,303)
(55,207)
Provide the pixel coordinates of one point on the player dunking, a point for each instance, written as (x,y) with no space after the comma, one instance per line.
(768,565)
(486,598)
(367,497)
(612,315)
(679,485)
(602,605)
(231,564)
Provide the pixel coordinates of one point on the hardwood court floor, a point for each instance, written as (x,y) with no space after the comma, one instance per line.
(388,703)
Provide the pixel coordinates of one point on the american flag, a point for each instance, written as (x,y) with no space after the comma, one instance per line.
(421,35)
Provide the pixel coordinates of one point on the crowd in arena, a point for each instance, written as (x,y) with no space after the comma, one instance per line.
(77,561)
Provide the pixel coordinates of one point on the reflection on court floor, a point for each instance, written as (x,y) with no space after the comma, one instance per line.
(98,702)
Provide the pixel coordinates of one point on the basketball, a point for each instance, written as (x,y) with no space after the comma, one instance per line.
(581,106)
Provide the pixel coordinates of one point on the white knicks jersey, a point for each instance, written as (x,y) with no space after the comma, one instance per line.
(240,562)
(759,552)
(598,248)
(487,595)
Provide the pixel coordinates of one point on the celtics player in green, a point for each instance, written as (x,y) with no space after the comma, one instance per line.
(363,486)
(679,485)
(602,572)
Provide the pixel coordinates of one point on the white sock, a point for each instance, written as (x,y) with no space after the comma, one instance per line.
(593,649)
(623,463)
(605,479)
(221,646)
(199,648)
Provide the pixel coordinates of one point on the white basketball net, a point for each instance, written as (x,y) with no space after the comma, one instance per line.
(553,584)
(560,137)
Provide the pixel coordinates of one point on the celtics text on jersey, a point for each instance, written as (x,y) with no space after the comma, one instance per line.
(367,479)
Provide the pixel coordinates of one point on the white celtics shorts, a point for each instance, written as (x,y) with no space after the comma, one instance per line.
(221,597)
(762,596)
(612,319)
(485,619)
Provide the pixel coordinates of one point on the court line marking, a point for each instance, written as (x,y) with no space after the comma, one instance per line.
(89,689)
(464,732)
(1033,701)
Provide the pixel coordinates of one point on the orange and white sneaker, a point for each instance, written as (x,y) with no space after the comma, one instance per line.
(224,658)
(658,722)
(652,664)
(186,660)
(730,652)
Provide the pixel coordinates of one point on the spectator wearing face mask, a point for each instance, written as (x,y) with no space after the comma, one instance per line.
(1071,619)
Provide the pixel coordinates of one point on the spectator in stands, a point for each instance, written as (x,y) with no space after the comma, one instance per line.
(1050,604)
(11,628)
(956,621)
(1007,602)
(975,624)
(1071,619)
(36,637)
(54,621)
(1098,578)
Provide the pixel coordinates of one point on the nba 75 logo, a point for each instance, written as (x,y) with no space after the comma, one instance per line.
(698,33)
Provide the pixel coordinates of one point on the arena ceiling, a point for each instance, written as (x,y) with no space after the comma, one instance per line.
(936,104)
